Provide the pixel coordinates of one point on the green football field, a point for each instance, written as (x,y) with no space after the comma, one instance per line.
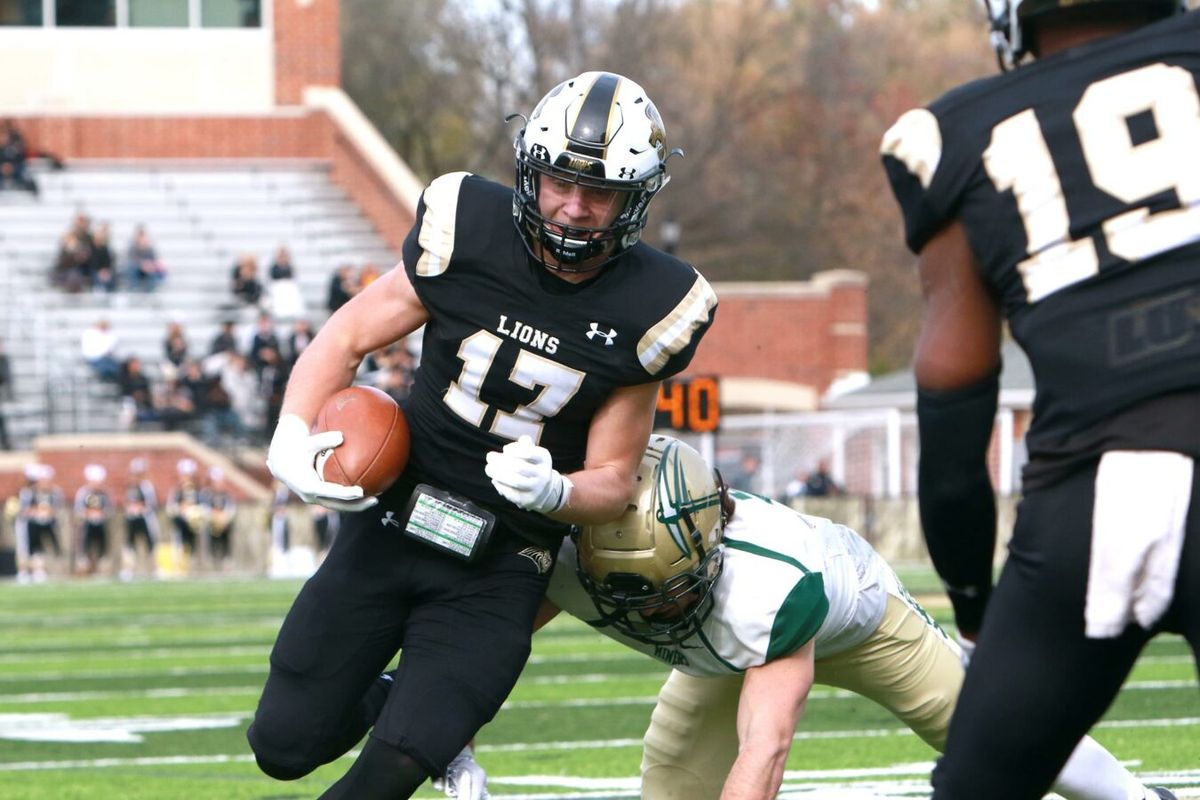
(143,692)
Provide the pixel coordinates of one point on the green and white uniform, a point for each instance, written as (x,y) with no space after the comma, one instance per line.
(794,577)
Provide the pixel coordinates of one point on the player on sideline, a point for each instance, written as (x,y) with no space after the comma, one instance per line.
(752,603)
(1063,196)
(544,345)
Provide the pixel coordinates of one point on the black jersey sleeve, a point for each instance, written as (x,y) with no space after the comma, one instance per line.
(668,346)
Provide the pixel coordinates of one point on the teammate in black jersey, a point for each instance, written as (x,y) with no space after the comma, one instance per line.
(544,344)
(1064,197)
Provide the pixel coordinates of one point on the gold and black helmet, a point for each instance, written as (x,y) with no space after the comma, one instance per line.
(651,573)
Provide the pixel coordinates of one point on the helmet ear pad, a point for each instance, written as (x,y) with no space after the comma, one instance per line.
(651,573)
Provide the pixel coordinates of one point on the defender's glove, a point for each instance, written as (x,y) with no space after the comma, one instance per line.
(464,778)
(523,474)
(292,458)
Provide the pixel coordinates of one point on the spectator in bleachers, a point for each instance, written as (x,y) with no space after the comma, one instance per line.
(264,337)
(175,405)
(272,380)
(343,285)
(138,403)
(13,156)
(226,339)
(245,284)
(175,349)
(299,339)
(6,394)
(93,509)
(98,345)
(390,370)
(73,265)
(102,275)
(240,382)
(212,403)
(287,302)
(143,268)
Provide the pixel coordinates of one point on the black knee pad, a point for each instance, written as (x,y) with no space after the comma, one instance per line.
(276,761)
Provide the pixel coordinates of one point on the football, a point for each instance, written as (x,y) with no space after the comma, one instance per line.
(374,450)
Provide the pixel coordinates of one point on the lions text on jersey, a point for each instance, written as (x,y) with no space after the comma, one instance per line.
(1076,180)
(511,350)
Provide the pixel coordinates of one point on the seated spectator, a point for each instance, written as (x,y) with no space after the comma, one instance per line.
(13,156)
(211,404)
(300,338)
(264,338)
(343,285)
(246,286)
(138,403)
(101,273)
(175,349)
(143,269)
(225,341)
(175,405)
(72,269)
(272,380)
(98,345)
(240,382)
(286,301)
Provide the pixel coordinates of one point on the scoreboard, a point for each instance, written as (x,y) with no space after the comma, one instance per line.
(689,404)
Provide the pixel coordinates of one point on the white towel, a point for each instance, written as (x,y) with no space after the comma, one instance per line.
(1138,523)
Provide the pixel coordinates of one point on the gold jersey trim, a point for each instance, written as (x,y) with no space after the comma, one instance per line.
(675,331)
(437,224)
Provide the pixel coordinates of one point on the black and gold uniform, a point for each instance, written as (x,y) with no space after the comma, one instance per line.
(509,350)
(1076,183)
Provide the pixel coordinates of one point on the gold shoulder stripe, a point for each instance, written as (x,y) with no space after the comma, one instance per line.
(674,332)
(916,142)
(437,224)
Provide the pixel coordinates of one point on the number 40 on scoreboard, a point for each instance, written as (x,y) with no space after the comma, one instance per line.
(689,404)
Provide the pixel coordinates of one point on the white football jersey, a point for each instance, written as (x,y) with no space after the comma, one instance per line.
(788,578)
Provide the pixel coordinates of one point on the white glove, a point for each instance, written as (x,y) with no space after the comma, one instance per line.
(292,458)
(968,650)
(523,474)
(464,778)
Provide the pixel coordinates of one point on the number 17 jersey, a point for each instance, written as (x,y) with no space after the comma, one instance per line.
(1077,180)
(512,350)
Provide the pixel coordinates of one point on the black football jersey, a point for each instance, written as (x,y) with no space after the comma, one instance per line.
(512,350)
(1077,180)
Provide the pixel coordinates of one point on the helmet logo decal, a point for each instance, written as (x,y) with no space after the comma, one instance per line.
(675,505)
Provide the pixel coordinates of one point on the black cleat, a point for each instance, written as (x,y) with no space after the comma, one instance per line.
(1163,794)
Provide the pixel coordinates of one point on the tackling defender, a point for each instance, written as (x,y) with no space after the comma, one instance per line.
(752,603)
(1063,196)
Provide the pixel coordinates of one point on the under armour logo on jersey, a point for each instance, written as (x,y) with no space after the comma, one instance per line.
(390,519)
(608,337)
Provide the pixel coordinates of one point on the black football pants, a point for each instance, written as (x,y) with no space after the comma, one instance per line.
(1036,685)
(464,631)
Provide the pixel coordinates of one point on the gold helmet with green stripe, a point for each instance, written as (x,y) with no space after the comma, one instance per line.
(651,572)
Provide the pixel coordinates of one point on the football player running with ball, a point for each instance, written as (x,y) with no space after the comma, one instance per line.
(544,345)
(1064,197)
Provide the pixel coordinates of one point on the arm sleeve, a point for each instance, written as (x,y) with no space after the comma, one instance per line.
(954,490)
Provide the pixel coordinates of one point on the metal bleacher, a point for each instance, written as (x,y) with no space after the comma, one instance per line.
(201,217)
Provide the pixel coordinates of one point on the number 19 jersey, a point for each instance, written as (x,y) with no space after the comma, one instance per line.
(1077,181)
